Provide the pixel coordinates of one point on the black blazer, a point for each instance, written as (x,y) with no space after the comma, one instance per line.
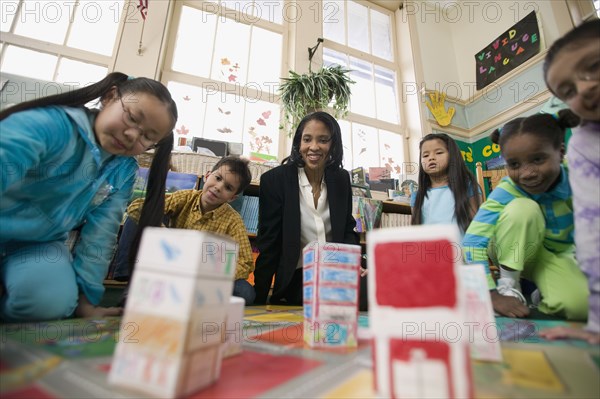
(278,238)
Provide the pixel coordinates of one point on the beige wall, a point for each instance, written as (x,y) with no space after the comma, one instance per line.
(449,34)
(145,60)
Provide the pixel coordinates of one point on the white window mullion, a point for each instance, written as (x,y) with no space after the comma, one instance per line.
(55,49)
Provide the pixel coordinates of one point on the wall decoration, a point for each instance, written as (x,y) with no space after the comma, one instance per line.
(437,108)
(508,51)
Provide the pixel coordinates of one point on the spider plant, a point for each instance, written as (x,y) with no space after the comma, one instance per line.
(313,91)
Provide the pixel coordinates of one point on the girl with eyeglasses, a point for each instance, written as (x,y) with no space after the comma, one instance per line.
(572,73)
(66,167)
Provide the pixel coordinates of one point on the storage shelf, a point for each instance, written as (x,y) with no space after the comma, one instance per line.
(396,207)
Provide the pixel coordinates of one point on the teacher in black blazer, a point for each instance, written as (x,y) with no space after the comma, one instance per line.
(307,198)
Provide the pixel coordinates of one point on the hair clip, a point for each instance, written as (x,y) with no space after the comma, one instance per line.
(130,77)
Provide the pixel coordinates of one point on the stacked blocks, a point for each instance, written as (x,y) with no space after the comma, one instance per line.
(170,342)
(417,313)
(331,288)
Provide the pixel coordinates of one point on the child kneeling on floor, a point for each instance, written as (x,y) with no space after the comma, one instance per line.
(526,224)
(209,210)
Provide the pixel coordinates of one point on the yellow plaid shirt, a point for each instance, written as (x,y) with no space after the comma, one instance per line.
(183,209)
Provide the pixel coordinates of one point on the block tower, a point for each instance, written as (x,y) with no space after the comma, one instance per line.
(416,313)
(170,342)
(331,289)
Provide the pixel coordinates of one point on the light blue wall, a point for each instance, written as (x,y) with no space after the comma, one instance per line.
(499,98)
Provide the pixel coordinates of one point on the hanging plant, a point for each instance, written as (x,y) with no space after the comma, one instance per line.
(313,91)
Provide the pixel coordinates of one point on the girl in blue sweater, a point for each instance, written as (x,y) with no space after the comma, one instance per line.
(66,167)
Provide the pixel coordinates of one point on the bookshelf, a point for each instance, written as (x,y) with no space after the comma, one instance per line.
(396,207)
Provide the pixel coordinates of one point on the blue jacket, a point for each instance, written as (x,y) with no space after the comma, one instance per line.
(55,178)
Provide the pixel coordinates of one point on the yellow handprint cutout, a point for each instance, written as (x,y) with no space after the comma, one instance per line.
(438,110)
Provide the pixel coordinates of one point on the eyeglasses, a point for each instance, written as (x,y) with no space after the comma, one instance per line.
(590,72)
(131,123)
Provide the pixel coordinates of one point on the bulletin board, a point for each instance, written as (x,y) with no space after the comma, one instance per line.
(508,51)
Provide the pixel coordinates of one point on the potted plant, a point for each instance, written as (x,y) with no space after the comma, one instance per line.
(313,91)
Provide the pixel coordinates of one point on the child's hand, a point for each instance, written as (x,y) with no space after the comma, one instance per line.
(86,309)
(570,332)
(363,272)
(508,306)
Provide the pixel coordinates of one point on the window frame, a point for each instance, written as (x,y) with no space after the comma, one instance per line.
(243,91)
(62,50)
(392,65)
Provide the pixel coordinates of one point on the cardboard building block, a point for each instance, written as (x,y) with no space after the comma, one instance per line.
(172,332)
(331,289)
(482,330)
(417,312)
(234,330)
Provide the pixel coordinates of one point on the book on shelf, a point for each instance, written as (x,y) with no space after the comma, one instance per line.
(175,181)
(249,213)
(367,213)
(358,176)
(378,173)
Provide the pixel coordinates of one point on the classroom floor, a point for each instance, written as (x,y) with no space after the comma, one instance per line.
(71,358)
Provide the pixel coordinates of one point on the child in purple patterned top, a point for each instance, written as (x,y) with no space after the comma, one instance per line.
(572,73)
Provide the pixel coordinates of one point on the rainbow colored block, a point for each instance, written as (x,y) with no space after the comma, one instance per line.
(331,289)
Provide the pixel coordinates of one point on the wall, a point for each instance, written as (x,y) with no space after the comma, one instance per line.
(451,33)
(145,58)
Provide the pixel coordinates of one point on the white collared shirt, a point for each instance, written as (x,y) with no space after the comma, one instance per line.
(315,224)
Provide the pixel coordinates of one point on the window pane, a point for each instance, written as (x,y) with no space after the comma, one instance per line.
(265,60)
(269,10)
(391,151)
(365,146)
(230,62)
(334,21)
(7,11)
(385,90)
(29,63)
(224,117)
(381,40)
(79,73)
(191,104)
(331,57)
(261,129)
(347,143)
(91,18)
(358,30)
(363,96)
(47,21)
(192,55)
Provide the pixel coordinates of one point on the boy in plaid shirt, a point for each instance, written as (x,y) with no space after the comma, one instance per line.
(209,210)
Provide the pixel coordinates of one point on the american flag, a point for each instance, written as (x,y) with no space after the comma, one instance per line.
(143,7)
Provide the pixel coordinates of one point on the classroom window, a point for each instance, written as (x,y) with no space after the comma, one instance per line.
(47,39)
(368,30)
(359,36)
(223,86)
(367,146)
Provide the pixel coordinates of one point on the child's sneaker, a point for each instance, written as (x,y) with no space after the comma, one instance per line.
(506,286)
(536,298)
